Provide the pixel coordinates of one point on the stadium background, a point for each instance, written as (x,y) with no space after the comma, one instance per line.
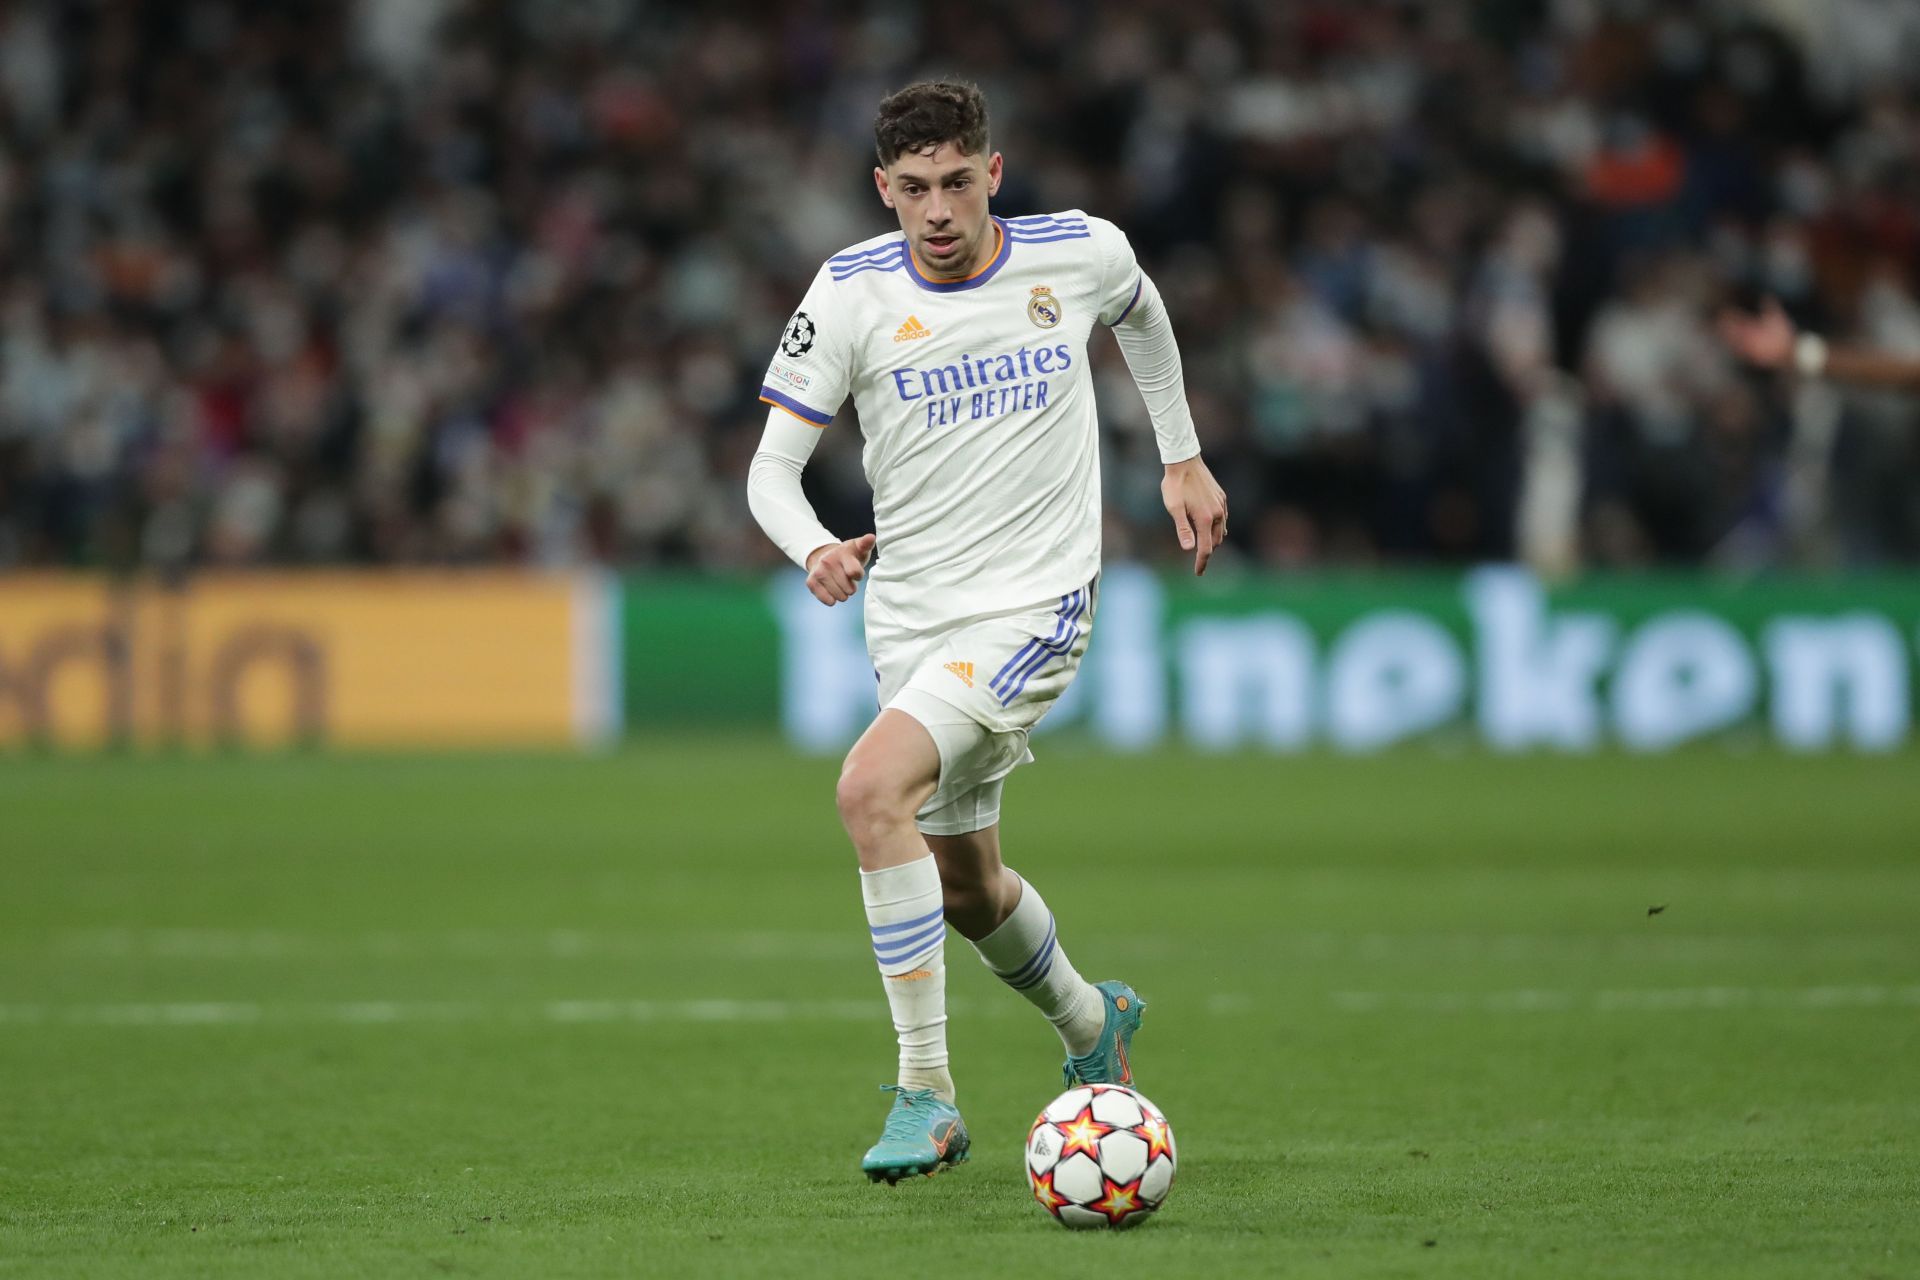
(380,377)
(440,284)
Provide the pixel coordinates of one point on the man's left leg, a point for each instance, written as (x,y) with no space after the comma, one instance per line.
(1009,924)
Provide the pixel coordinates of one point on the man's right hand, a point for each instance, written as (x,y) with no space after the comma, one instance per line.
(834,571)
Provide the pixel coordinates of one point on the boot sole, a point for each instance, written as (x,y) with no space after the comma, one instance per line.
(892,1177)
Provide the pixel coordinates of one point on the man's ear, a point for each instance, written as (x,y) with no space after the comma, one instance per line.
(995,167)
(880,184)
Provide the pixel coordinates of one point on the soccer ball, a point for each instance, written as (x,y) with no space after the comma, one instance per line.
(1100,1155)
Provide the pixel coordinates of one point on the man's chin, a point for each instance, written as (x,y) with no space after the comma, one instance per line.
(943,264)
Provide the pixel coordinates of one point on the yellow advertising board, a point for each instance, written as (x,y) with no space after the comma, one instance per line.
(402,659)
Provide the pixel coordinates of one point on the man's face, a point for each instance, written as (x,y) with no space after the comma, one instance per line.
(940,196)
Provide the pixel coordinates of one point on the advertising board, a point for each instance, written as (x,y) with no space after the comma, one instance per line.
(1356,663)
(411,659)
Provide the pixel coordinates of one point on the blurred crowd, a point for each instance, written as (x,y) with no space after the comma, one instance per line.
(446,281)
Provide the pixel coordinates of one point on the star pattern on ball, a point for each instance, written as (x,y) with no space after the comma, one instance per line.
(1159,1137)
(1121,1201)
(1083,1133)
(1043,1192)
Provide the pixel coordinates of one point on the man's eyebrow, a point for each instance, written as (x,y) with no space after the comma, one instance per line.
(962,171)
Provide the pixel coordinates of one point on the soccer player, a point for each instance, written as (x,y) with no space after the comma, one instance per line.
(962,338)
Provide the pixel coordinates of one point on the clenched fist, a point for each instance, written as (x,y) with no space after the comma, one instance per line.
(834,571)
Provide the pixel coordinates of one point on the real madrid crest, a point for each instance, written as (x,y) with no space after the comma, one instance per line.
(1043,308)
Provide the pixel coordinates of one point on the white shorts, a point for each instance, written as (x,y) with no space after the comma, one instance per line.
(979,687)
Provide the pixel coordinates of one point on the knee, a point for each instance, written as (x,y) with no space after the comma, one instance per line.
(869,800)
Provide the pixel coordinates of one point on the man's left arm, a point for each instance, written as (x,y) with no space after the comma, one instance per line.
(1193,498)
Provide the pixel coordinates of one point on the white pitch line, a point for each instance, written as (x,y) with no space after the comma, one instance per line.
(249,945)
(207,1013)
(708,1010)
(796,945)
(390,1012)
(560,944)
(204,1013)
(1655,1000)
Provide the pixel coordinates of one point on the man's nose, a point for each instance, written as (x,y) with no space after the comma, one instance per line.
(937,211)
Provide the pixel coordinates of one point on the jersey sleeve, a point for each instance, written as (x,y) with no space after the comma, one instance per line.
(1120,277)
(810,370)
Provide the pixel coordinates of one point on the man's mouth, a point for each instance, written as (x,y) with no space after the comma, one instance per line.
(941,245)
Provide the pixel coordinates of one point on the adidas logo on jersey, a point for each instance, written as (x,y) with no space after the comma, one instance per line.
(964,670)
(911,329)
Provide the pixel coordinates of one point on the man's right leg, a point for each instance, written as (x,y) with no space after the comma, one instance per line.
(890,773)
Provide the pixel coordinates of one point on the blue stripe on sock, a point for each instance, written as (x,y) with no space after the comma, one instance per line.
(1040,953)
(1041,976)
(902,926)
(900,948)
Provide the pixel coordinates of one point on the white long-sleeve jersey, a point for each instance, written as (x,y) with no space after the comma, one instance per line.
(976,404)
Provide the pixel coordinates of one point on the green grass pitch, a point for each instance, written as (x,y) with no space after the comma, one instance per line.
(1422,1015)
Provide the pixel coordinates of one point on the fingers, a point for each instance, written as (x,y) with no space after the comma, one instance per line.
(830,581)
(839,572)
(836,575)
(1213,518)
(820,583)
(1207,542)
(1199,520)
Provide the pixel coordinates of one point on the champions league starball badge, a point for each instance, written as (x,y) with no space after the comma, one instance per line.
(798,339)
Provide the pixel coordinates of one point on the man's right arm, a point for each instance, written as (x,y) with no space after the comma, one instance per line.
(1770,341)
(774,495)
(806,382)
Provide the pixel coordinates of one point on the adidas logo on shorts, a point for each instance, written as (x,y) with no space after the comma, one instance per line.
(964,670)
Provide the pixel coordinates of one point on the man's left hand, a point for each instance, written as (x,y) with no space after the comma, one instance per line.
(1198,506)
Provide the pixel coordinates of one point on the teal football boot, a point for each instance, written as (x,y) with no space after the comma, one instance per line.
(1106,1062)
(923,1135)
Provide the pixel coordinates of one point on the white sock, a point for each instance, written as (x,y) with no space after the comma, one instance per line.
(908,926)
(1026,955)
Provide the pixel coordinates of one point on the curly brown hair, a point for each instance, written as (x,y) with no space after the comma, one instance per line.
(922,116)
